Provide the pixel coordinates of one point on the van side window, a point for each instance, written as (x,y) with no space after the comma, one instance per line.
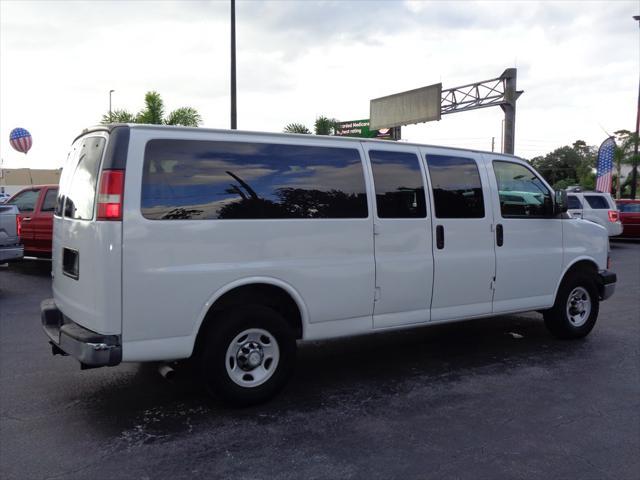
(186,179)
(25,201)
(521,192)
(398,182)
(457,190)
(574,202)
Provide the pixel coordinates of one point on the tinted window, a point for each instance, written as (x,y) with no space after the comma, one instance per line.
(457,190)
(521,192)
(230,180)
(598,202)
(574,202)
(49,203)
(25,201)
(80,186)
(398,181)
(629,207)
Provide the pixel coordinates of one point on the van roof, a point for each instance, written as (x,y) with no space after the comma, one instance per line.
(142,126)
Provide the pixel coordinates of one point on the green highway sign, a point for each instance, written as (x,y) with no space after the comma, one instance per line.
(360,128)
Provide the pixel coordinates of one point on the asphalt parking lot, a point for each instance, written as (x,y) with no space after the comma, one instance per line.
(491,399)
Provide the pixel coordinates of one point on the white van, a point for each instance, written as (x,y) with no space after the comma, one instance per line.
(226,247)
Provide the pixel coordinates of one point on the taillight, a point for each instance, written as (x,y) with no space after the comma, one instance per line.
(19,225)
(613,215)
(110,195)
(608,263)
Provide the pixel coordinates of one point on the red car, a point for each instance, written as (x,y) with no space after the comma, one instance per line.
(36,205)
(630,217)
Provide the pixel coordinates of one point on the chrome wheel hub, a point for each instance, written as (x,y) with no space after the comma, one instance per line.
(578,306)
(252,357)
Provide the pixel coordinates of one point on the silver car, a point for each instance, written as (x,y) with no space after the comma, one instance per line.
(596,207)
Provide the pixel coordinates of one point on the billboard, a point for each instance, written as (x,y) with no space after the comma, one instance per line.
(360,128)
(413,106)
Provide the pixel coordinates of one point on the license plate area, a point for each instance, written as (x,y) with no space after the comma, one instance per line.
(71,263)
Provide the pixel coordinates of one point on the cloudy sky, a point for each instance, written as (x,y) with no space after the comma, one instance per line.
(577,61)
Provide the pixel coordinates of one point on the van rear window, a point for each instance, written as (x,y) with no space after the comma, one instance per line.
(184,179)
(77,191)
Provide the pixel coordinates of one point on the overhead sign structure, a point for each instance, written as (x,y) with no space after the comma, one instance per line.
(362,129)
(413,106)
(429,103)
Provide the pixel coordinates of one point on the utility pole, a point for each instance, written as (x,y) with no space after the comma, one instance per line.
(110,92)
(634,170)
(509,108)
(493,144)
(234,119)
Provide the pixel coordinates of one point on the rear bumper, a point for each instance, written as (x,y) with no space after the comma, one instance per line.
(614,228)
(606,283)
(91,349)
(8,254)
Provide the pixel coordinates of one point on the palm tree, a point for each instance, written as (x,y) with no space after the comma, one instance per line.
(184,116)
(296,128)
(118,116)
(325,125)
(153,113)
(623,154)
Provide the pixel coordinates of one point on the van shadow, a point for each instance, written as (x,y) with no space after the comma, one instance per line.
(31,267)
(623,243)
(144,407)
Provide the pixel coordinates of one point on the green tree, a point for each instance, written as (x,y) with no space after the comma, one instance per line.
(568,165)
(325,125)
(561,164)
(186,116)
(153,113)
(296,128)
(118,116)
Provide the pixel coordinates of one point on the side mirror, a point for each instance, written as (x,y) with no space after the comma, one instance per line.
(560,204)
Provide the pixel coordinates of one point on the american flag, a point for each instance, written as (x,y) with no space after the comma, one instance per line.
(605,165)
(20,139)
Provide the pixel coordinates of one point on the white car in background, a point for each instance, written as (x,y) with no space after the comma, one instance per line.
(596,207)
(4,197)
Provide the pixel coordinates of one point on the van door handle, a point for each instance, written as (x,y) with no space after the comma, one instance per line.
(440,237)
(499,235)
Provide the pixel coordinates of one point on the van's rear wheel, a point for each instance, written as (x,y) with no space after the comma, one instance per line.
(248,355)
(575,311)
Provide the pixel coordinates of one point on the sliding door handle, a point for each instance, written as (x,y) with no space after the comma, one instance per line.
(440,237)
(499,235)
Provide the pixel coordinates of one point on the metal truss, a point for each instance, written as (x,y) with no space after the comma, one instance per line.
(487,93)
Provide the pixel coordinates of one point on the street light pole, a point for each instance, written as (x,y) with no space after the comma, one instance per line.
(234,119)
(634,170)
(110,92)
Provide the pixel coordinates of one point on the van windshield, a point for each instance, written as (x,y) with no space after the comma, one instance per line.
(79,178)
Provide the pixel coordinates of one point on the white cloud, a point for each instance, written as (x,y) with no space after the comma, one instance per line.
(577,62)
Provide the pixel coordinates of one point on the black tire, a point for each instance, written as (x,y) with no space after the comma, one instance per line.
(580,285)
(226,327)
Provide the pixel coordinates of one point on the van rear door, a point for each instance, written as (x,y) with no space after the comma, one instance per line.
(86,252)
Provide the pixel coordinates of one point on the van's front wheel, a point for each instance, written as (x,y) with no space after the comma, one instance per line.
(248,356)
(576,308)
